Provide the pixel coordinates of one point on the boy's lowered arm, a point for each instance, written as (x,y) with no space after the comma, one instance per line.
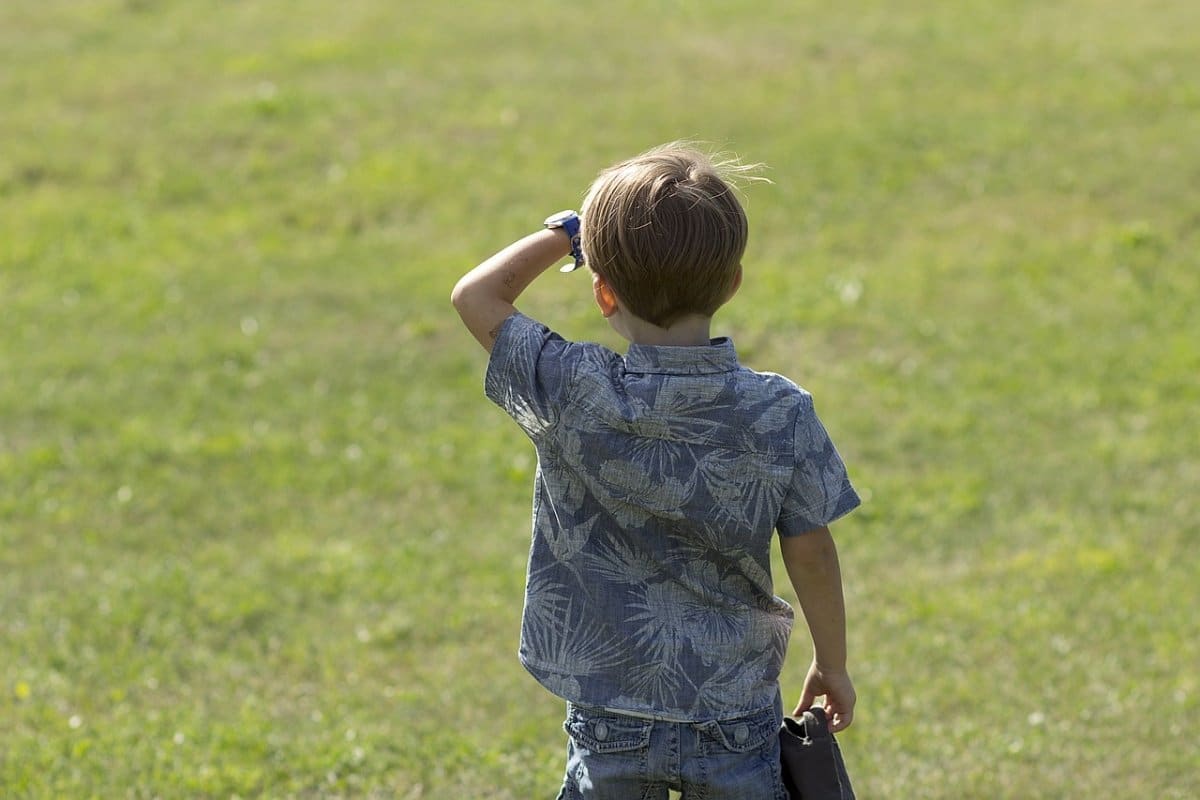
(484,297)
(812,564)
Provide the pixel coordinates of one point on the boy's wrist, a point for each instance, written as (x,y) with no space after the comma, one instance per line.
(559,245)
(826,669)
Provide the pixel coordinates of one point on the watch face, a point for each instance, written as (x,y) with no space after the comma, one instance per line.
(557,220)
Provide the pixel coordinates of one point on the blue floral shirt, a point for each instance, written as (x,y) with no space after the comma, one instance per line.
(661,478)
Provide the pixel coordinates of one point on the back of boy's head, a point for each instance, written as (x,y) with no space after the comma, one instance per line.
(665,230)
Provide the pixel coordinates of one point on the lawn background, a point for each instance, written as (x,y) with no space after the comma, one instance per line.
(261,534)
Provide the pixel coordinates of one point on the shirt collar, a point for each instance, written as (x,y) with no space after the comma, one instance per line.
(718,357)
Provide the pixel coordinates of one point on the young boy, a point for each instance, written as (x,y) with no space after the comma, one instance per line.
(662,476)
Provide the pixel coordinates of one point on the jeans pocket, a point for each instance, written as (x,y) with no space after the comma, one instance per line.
(739,758)
(607,756)
(743,734)
(599,731)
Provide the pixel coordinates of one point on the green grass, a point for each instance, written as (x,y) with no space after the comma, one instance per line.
(261,535)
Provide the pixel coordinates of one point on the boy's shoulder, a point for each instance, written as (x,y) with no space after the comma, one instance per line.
(523,338)
(783,385)
(533,371)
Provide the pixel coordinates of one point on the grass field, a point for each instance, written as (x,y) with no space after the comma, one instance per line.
(261,534)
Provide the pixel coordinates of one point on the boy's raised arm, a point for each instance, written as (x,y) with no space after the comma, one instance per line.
(812,565)
(484,297)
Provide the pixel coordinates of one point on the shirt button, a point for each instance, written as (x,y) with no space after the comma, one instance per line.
(740,734)
(601,731)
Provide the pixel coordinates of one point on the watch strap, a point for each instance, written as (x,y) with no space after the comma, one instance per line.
(570,224)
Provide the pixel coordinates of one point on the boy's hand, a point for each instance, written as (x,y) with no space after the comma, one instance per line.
(839,694)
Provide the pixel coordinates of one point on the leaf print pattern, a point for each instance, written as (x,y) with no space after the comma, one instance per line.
(662,479)
(644,492)
(617,562)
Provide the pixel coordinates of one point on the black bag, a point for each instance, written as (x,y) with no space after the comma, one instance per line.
(813,768)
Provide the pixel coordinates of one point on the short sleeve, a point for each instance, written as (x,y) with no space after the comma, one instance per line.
(820,491)
(527,373)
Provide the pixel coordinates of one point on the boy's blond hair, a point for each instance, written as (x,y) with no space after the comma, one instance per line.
(665,230)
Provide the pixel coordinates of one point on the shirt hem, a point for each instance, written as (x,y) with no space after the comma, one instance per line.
(642,713)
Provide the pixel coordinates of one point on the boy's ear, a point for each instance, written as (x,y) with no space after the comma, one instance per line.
(606,299)
(737,283)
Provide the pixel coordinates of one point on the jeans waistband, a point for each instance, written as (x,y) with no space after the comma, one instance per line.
(644,715)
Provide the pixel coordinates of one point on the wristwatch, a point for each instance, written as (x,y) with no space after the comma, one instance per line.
(569,222)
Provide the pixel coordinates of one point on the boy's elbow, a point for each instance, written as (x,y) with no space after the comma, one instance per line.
(460,294)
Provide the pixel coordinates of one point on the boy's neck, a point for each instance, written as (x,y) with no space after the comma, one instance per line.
(690,331)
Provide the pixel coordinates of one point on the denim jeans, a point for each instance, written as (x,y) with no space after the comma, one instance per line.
(612,756)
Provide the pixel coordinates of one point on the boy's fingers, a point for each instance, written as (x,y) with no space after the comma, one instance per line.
(840,720)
